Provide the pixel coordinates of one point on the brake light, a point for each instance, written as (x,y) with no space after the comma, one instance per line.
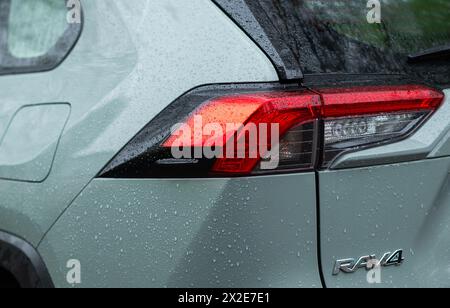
(241,127)
(345,102)
(272,131)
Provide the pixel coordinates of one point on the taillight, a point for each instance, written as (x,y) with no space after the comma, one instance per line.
(238,131)
(355,118)
(243,132)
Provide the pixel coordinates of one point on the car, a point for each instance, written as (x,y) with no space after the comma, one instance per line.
(224,144)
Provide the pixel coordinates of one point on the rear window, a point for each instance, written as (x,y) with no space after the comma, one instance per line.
(403,26)
(355,36)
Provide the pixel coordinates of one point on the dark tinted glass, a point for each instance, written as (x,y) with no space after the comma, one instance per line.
(344,36)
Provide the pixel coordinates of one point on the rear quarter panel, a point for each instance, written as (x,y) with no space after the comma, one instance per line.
(258,232)
(131,61)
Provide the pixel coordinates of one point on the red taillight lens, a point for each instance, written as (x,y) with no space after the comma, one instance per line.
(345,102)
(244,134)
(240,127)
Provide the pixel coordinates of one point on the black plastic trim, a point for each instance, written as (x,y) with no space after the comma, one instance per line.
(23,261)
(441,52)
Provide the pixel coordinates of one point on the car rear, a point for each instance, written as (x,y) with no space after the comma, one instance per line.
(378,196)
(322,160)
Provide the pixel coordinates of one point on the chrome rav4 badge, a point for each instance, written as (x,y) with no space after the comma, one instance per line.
(368,262)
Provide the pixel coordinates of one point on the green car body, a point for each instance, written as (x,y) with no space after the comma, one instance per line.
(59,128)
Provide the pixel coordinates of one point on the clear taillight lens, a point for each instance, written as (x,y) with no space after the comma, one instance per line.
(297,150)
(346,134)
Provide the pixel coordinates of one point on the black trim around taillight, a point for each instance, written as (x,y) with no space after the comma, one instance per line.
(320,124)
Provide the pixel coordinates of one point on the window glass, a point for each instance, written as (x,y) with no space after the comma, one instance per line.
(35,26)
(405,26)
(37,35)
